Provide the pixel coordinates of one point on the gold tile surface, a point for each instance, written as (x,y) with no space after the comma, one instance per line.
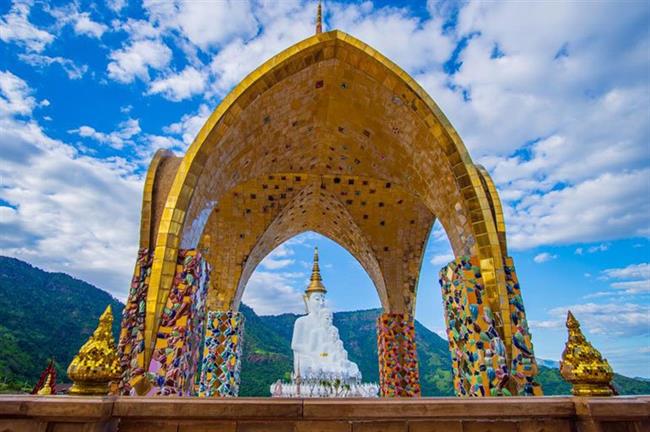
(328,108)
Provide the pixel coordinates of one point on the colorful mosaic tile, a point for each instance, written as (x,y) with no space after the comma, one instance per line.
(221,367)
(131,344)
(478,354)
(524,366)
(176,354)
(398,361)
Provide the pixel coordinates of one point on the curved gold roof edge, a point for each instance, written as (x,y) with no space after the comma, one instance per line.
(146,215)
(311,41)
(171,224)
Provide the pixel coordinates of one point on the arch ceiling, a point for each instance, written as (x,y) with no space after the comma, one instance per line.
(329,107)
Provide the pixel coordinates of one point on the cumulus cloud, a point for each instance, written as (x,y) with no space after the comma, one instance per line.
(609,206)
(136,59)
(71,69)
(544,257)
(612,319)
(631,280)
(273,293)
(202,23)
(67,212)
(179,86)
(556,101)
(116,139)
(390,30)
(278,258)
(116,5)
(84,25)
(15,96)
(16,27)
(441,260)
(189,125)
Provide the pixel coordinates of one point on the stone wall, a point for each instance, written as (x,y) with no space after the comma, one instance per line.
(25,413)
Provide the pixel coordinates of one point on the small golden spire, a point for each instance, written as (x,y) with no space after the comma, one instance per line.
(316,281)
(47,387)
(583,366)
(319,18)
(97,363)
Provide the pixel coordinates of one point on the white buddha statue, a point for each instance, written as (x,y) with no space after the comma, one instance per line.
(317,348)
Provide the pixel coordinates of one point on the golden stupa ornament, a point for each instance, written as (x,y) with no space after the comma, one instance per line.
(316,281)
(583,366)
(47,387)
(97,363)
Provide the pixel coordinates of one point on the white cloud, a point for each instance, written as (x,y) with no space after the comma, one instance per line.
(390,30)
(631,280)
(84,25)
(71,69)
(278,258)
(612,319)
(68,212)
(116,139)
(283,24)
(592,249)
(15,27)
(633,271)
(15,96)
(610,206)
(189,125)
(441,260)
(544,257)
(202,23)
(136,59)
(270,293)
(81,22)
(116,5)
(182,85)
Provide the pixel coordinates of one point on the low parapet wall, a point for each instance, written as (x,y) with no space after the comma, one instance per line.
(23,413)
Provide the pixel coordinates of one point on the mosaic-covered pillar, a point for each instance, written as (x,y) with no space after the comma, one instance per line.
(478,353)
(398,362)
(221,367)
(131,343)
(177,351)
(523,367)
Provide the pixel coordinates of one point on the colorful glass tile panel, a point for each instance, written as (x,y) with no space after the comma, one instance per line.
(221,367)
(398,361)
(523,366)
(478,353)
(176,353)
(131,343)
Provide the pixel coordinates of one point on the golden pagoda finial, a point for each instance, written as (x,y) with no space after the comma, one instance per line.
(47,387)
(97,363)
(316,281)
(319,18)
(583,366)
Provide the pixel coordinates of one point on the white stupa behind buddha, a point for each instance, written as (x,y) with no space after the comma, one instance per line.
(321,367)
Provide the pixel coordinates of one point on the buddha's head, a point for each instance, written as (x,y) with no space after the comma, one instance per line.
(315,302)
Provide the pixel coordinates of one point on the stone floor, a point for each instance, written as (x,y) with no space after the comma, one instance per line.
(22,413)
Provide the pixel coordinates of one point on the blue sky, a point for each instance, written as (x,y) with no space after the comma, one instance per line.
(553,98)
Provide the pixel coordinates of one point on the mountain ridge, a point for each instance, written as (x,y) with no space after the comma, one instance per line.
(44,314)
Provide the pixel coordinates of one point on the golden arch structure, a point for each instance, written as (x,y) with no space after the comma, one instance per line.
(329,136)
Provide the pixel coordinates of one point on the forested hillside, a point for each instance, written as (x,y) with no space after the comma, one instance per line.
(46,314)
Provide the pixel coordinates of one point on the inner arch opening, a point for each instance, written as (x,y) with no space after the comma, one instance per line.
(272,301)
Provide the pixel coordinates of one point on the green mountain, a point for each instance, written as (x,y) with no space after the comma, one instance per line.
(43,315)
(358,333)
(46,314)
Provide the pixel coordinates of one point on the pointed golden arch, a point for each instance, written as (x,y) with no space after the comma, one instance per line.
(349,99)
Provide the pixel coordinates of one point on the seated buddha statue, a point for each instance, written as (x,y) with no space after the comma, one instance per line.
(317,348)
